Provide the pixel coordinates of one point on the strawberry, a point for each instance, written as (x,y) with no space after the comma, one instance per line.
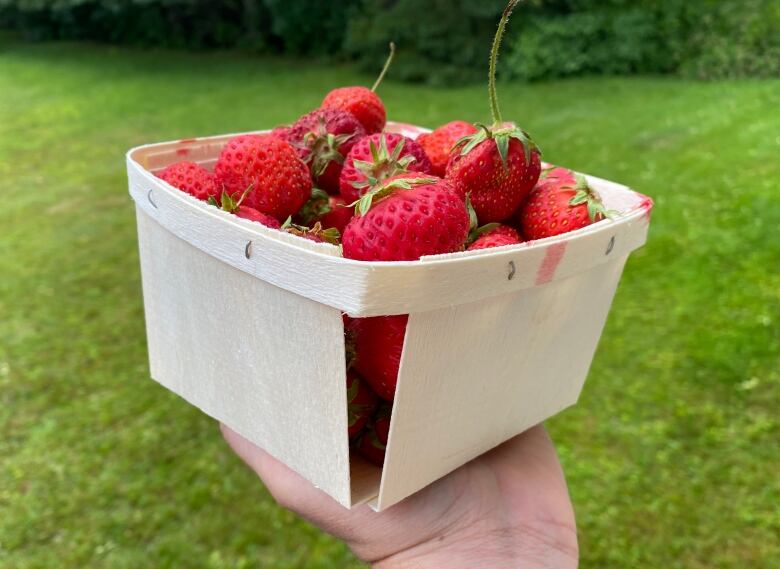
(282,132)
(378,342)
(405,218)
(438,143)
(192,179)
(315,233)
(361,403)
(338,215)
(378,157)
(277,180)
(323,138)
(362,102)
(496,237)
(230,204)
(373,443)
(330,211)
(382,421)
(371,448)
(498,165)
(562,201)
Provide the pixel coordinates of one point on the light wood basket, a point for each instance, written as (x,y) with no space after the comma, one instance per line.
(245,323)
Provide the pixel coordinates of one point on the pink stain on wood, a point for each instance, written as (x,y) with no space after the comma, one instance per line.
(646,205)
(552,258)
(182,151)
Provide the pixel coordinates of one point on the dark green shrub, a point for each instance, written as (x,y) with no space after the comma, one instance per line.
(439,41)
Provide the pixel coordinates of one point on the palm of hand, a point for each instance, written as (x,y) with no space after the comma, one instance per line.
(507,508)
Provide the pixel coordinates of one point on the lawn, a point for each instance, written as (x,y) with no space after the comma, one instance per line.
(672,454)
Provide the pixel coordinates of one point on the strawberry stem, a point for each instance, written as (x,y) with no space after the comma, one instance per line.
(385,68)
(494,110)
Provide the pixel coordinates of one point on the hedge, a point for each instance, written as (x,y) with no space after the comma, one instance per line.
(440,41)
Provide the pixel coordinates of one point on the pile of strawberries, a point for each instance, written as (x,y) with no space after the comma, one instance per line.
(335,175)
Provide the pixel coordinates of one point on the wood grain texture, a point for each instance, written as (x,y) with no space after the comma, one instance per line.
(264,361)
(475,375)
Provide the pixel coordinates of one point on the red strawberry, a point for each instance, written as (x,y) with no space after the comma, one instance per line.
(315,233)
(191,178)
(496,237)
(277,180)
(361,402)
(330,211)
(232,205)
(323,138)
(438,144)
(379,342)
(562,201)
(282,132)
(382,421)
(339,214)
(378,157)
(252,214)
(362,102)
(371,448)
(498,165)
(406,218)
(497,183)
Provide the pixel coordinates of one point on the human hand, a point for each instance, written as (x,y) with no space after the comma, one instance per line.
(507,508)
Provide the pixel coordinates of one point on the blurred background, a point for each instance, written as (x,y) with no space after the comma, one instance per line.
(672,453)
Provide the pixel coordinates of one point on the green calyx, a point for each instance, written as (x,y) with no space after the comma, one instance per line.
(384,164)
(501,133)
(584,194)
(227,202)
(317,206)
(381,191)
(475,231)
(502,136)
(329,235)
(323,147)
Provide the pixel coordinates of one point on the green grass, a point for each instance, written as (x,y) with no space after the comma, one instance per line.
(671,454)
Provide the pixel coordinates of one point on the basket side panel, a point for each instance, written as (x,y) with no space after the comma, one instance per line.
(475,375)
(264,361)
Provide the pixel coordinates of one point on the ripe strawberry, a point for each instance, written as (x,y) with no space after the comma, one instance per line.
(232,205)
(382,421)
(330,211)
(323,138)
(338,215)
(562,201)
(315,233)
(406,218)
(362,102)
(252,214)
(192,179)
(496,237)
(371,448)
(277,180)
(438,143)
(282,131)
(498,165)
(378,343)
(361,403)
(378,157)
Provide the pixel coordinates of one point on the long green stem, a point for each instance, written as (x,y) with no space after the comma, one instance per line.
(385,68)
(494,110)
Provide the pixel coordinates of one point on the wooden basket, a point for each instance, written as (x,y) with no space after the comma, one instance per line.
(245,323)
